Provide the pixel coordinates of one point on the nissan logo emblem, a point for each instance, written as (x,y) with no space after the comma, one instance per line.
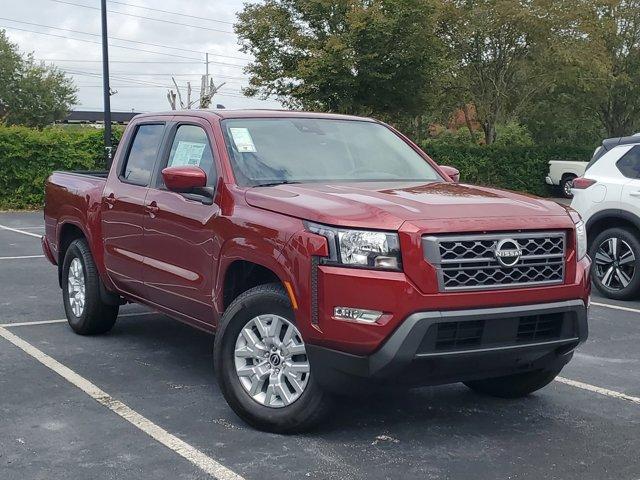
(508,252)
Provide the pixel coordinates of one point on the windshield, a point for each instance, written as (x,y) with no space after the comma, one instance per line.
(294,150)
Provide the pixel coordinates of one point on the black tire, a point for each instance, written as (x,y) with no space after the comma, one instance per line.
(616,290)
(305,412)
(514,386)
(565,186)
(96,317)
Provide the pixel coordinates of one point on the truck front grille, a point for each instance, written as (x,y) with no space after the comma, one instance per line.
(469,262)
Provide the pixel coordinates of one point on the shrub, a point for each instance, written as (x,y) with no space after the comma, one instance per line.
(509,134)
(28,156)
(522,168)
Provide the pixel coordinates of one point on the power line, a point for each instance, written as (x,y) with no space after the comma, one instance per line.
(99,43)
(145,18)
(119,39)
(165,74)
(120,46)
(172,62)
(171,13)
(99,75)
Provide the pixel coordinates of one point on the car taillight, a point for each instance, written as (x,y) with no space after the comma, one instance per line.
(581,183)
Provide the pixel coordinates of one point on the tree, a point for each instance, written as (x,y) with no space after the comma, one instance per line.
(503,53)
(31,93)
(608,84)
(367,57)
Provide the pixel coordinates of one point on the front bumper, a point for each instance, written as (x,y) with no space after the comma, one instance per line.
(417,354)
(549,181)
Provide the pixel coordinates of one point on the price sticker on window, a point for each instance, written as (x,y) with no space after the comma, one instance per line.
(242,139)
(187,153)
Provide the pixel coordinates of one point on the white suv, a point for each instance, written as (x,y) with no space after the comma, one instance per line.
(608,199)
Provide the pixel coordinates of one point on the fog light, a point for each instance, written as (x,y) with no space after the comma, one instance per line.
(356,314)
(390,263)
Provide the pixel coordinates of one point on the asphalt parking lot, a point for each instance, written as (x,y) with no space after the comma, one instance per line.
(142,402)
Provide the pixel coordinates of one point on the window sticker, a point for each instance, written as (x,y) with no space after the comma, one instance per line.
(188,153)
(242,139)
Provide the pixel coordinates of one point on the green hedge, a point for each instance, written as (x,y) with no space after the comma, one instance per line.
(28,156)
(512,168)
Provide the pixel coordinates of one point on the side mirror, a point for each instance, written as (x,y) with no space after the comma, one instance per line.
(452,172)
(184,179)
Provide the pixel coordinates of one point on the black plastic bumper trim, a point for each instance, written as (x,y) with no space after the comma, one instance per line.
(400,350)
(551,343)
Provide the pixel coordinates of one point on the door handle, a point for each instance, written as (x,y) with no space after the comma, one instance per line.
(152,209)
(110,200)
(635,194)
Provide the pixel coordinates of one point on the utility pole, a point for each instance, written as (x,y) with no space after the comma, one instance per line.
(207,70)
(105,85)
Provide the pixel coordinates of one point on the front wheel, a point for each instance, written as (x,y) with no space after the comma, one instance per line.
(514,386)
(86,313)
(615,254)
(262,366)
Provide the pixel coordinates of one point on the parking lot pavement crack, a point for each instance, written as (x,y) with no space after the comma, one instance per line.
(190,453)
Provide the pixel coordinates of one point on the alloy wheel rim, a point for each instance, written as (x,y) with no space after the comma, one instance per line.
(615,263)
(271,361)
(76,287)
(568,186)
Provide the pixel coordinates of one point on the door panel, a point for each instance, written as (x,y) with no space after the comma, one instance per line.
(182,245)
(123,207)
(181,248)
(122,219)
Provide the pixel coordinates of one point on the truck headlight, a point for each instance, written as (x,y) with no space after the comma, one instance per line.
(360,248)
(581,240)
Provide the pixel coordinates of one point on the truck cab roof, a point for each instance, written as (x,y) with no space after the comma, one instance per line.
(253,113)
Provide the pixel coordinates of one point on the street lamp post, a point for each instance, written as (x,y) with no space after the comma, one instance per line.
(105,85)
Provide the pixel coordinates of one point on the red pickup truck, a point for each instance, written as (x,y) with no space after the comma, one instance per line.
(327,253)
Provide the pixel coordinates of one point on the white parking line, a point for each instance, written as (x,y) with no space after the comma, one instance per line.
(182,448)
(616,307)
(63,320)
(599,390)
(2,227)
(22,257)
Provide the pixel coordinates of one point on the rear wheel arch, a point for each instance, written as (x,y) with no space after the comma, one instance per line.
(606,219)
(68,233)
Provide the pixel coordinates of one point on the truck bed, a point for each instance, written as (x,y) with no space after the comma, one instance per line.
(86,173)
(74,197)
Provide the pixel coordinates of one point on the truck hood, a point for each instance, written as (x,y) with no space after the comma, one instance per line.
(385,205)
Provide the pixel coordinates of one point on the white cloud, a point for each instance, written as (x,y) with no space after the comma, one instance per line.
(142,84)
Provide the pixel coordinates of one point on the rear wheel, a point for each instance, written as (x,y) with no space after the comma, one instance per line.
(86,312)
(262,366)
(566,184)
(615,254)
(514,386)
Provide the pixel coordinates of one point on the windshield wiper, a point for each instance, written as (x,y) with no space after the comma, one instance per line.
(275,183)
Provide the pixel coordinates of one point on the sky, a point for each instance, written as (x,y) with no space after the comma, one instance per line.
(141,78)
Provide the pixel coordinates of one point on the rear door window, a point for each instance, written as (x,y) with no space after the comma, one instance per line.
(142,154)
(629,163)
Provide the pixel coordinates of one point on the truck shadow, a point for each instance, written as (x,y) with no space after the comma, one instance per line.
(183,351)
